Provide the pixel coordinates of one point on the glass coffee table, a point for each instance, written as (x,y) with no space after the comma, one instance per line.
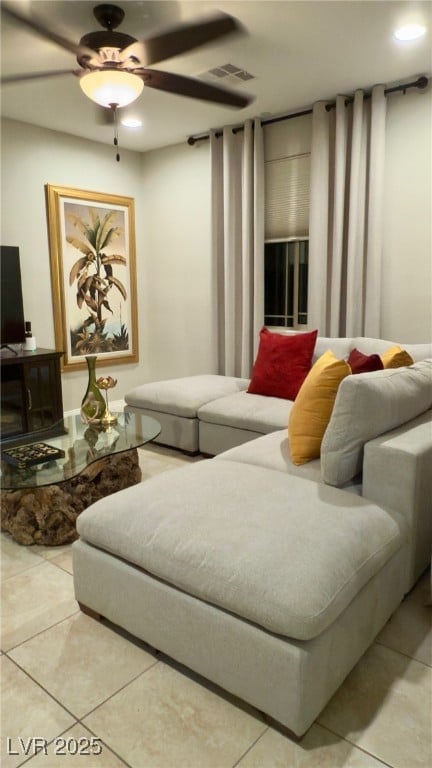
(40,502)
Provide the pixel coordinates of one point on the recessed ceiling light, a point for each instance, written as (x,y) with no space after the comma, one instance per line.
(131,122)
(409,32)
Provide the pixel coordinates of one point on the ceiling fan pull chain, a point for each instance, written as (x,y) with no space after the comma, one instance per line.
(116,139)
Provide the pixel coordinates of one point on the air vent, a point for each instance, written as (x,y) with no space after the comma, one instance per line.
(227,72)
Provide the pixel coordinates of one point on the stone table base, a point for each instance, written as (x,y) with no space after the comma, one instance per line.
(47,515)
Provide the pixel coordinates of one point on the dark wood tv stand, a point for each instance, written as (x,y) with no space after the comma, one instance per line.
(31,395)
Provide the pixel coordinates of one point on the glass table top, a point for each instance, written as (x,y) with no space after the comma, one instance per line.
(82,445)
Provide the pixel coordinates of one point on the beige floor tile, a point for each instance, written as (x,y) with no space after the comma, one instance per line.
(409,630)
(15,558)
(317,749)
(34,600)
(64,560)
(76,747)
(384,707)
(174,722)
(50,553)
(153,465)
(81,662)
(27,711)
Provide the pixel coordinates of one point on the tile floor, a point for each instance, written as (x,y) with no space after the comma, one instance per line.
(83,687)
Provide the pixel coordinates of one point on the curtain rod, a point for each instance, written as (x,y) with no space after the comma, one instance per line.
(420,83)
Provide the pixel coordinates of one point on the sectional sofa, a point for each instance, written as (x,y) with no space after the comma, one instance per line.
(270,577)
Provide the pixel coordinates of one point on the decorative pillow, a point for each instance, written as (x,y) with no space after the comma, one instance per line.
(396,357)
(368,406)
(361,363)
(282,363)
(312,409)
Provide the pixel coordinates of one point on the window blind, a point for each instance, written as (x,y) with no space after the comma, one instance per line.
(287,182)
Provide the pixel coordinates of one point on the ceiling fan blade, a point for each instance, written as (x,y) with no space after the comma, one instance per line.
(195,89)
(181,38)
(40,29)
(37,76)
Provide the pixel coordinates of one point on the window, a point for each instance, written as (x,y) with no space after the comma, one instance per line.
(287,182)
(286,282)
(287,197)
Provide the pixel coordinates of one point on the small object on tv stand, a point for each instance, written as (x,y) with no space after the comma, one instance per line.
(29,341)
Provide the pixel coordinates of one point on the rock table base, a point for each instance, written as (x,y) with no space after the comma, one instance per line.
(47,515)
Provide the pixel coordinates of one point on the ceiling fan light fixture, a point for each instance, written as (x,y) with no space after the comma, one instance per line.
(111,86)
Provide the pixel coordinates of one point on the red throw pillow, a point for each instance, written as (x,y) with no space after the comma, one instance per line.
(282,363)
(361,363)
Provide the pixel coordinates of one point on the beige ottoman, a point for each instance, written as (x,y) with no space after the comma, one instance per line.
(175,403)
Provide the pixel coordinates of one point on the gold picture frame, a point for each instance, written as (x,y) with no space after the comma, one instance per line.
(93,275)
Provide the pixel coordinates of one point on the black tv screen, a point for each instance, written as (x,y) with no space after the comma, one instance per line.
(11,307)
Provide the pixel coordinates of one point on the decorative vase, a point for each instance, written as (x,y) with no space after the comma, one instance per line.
(93,403)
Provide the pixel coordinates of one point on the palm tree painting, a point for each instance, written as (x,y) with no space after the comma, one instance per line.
(98,321)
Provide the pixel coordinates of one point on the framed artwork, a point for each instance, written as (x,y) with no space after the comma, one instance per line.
(93,275)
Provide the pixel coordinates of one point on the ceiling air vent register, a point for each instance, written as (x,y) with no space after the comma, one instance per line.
(230,73)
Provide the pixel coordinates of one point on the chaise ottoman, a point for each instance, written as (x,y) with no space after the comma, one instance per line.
(271,586)
(175,404)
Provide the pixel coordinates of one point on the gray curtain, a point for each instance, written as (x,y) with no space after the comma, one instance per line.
(345,220)
(237,172)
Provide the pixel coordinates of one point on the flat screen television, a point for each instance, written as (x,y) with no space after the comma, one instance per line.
(11,306)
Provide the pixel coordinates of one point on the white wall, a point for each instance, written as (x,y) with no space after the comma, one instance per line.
(176,215)
(407,274)
(32,157)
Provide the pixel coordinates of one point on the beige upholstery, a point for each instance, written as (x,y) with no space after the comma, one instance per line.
(368,405)
(214,413)
(397,474)
(183,397)
(175,403)
(272,451)
(289,680)
(257,413)
(225,544)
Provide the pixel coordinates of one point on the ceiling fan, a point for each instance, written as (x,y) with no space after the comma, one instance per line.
(114,66)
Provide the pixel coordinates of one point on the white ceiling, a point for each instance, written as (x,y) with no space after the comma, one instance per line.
(298,52)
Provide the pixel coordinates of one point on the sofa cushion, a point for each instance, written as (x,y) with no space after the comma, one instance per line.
(243,410)
(341,347)
(282,363)
(183,397)
(272,451)
(282,552)
(312,409)
(367,406)
(361,363)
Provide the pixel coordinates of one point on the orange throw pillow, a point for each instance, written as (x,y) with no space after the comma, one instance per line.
(396,357)
(313,407)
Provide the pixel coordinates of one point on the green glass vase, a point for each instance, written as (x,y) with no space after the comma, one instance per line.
(93,404)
